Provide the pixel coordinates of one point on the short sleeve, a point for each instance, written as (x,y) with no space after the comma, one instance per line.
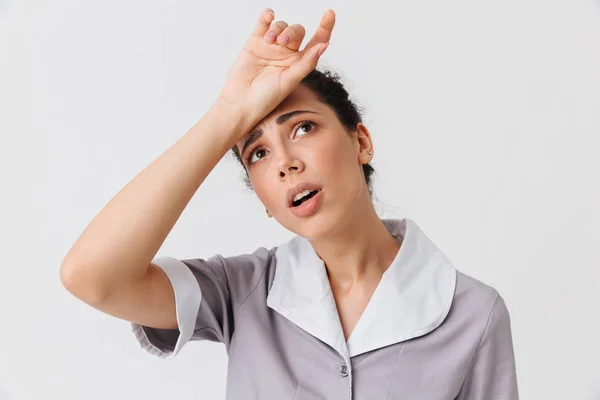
(207,293)
(493,371)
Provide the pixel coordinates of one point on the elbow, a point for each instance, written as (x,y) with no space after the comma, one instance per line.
(80,284)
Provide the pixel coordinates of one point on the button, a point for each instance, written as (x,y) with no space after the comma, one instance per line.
(344,370)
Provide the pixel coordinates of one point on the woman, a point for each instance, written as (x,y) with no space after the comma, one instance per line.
(353,307)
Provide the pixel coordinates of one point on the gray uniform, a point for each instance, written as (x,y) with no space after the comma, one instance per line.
(428,332)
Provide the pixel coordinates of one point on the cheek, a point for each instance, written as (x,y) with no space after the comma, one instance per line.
(265,191)
(336,162)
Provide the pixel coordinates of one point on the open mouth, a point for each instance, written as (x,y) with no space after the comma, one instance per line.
(307,197)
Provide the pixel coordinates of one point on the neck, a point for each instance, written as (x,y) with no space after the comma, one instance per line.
(359,250)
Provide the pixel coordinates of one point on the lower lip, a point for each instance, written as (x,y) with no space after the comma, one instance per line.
(309,207)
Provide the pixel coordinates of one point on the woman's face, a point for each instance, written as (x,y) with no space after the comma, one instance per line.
(308,147)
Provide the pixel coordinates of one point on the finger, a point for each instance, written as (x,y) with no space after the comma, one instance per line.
(292,36)
(275,30)
(323,32)
(264,22)
(294,74)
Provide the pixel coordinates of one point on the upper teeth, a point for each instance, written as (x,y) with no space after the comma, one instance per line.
(302,194)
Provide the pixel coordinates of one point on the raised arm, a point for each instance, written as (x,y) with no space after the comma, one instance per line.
(109,266)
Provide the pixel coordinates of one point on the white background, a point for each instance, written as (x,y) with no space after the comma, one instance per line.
(485,117)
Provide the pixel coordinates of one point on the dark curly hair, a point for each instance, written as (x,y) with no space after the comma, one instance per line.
(329,90)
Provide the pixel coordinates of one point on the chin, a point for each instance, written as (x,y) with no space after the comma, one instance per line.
(315,227)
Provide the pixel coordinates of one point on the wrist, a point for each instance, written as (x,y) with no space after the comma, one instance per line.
(232,122)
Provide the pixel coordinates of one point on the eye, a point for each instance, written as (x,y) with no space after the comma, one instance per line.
(250,157)
(305,123)
(259,150)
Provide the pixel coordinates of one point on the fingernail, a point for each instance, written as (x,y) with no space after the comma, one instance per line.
(270,37)
(283,39)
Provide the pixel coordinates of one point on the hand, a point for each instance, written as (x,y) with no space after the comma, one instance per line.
(270,67)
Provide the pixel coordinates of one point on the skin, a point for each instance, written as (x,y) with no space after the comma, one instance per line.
(109,267)
(345,232)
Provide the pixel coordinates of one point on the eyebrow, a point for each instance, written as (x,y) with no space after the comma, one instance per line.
(257,133)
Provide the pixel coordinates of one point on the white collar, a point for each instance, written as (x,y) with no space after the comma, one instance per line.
(412,299)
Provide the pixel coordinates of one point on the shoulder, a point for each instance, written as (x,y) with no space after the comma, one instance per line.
(237,274)
(476,302)
(257,259)
(485,331)
(244,263)
(246,268)
(472,290)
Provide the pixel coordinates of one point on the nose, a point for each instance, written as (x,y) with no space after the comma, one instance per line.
(289,164)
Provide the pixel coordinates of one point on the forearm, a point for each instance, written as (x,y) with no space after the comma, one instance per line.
(120,242)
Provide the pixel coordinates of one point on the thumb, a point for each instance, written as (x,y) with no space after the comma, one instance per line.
(307,63)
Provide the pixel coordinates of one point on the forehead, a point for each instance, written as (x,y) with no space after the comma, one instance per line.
(300,98)
(301,95)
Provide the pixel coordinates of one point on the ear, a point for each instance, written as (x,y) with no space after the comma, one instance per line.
(364,144)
